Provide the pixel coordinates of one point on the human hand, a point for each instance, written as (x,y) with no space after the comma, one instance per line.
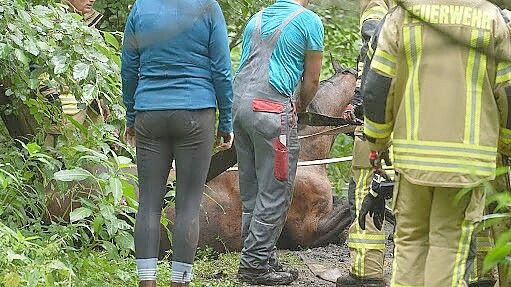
(348,113)
(130,136)
(224,140)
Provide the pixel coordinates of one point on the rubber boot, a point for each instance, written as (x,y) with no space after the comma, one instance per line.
(355,281)
(147,283)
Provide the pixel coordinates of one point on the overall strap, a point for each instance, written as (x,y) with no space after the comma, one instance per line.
(275,36)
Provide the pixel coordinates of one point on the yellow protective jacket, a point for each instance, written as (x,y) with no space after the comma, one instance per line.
(374,9)
(439,82)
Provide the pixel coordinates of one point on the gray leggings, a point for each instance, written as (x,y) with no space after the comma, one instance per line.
(186,136)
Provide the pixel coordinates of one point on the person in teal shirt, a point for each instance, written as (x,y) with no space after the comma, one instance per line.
(305,33)
(282,47)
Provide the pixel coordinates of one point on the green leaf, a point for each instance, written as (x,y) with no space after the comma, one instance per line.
(11,256)
(115,187)
(76,174)
(77,124)
(58,265)
(111,227)
(90,92)
(4,50)
(97,223)
(123,162)
(79,214)
(12,280)
(129,193)
(25,16)
(33,148)
(20,55)
(110,39)
(80,71)
(110,248)
(107,211)
(81,148)
(60,63)
(31,47)
(124,240)
(3,181)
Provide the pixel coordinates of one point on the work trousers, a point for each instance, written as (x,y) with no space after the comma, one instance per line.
(267,146)
(433,234)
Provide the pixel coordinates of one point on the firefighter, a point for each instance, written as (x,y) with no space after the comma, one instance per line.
(95,110)
(439,82)
(367,246)
(282,45)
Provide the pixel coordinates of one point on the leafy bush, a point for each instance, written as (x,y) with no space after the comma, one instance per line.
(45,45)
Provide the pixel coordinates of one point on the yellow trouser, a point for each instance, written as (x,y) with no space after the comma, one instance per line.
(366,246)
(484,242)
(433,234)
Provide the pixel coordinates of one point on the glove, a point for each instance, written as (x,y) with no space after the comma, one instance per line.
(375,159)
(373,204)
(358,110)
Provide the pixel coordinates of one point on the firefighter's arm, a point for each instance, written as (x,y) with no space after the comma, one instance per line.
(377,92)
(372,13)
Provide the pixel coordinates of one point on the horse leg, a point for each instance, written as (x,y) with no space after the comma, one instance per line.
(331,226)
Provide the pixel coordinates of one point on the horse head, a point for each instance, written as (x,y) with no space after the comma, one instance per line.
(333,95)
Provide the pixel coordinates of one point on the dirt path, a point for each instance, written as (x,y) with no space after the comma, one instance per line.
(332,256)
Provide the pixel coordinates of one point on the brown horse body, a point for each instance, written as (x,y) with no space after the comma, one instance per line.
(313,219)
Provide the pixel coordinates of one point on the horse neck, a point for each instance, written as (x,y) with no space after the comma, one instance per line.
(333,96)
(315,147)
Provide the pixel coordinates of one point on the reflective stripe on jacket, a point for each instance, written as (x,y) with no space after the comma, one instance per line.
(450,62)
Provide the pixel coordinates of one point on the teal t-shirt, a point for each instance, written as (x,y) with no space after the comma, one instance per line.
(304,33)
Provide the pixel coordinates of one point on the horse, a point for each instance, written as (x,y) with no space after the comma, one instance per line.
(314,219)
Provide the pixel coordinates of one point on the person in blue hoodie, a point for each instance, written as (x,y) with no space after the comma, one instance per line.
(176,70)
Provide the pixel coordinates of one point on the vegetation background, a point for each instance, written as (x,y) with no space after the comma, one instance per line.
(41,44)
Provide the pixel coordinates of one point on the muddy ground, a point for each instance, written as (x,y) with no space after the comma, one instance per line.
(330,257)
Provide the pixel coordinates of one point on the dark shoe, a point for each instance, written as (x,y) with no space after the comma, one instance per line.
(147,283)
(174,284)
(266,277)
(355,281)
(482,283)
(277,266)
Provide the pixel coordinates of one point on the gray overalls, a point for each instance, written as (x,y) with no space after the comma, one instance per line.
(267,146)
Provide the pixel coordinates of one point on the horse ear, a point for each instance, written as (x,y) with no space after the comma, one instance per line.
(336,65)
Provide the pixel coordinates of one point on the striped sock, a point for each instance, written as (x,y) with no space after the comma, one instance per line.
(181,272)
(147,268)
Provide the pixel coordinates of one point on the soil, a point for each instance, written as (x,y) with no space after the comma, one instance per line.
(333,256)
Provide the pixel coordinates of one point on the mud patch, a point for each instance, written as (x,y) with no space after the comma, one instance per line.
(329,257)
